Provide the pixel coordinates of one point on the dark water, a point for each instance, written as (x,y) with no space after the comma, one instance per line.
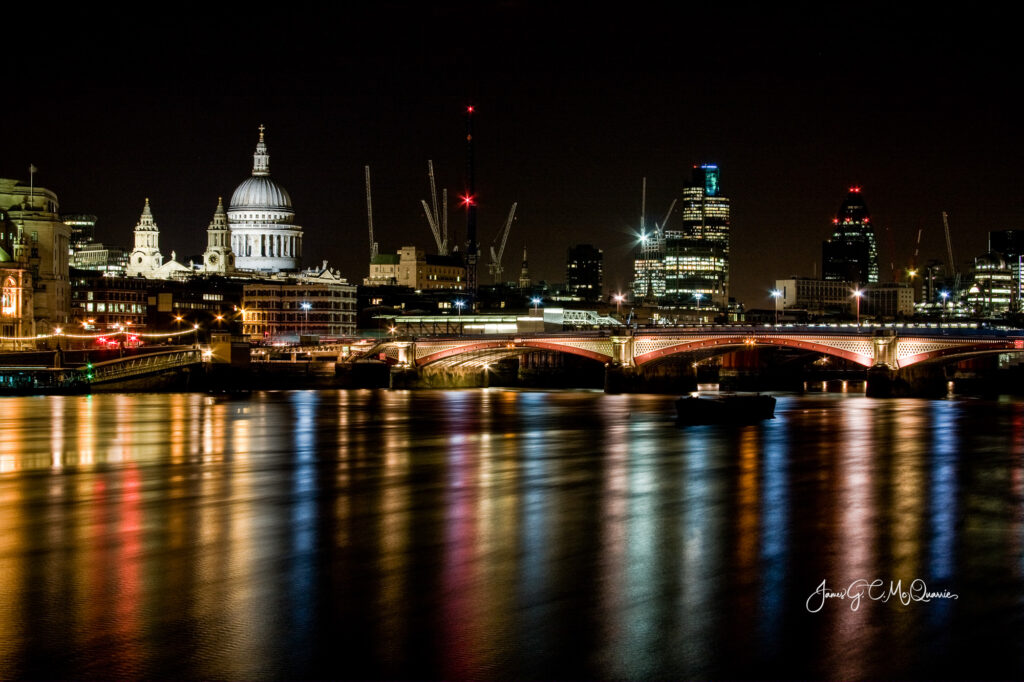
(504,534)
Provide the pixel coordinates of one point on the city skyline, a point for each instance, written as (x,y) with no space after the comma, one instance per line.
(568,123)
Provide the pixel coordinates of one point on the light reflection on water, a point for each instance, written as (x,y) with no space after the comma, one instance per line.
(495,534)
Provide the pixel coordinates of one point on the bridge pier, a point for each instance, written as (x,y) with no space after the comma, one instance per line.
(916,381)
(403,377)
(672,379)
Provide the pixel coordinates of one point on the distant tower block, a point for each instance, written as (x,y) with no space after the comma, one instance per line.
(851,255)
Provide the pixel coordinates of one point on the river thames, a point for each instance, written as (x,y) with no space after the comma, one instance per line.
(496,534)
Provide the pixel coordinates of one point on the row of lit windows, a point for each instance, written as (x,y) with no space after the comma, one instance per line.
(108,295)
(297,293)
(135,308)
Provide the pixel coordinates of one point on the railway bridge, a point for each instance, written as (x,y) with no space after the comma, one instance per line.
(896,357)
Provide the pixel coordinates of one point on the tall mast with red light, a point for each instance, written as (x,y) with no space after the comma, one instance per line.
(469,201)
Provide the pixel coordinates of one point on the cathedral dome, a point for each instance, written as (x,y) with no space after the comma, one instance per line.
(261,222)
(260,192)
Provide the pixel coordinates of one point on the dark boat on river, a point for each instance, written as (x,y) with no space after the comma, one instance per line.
(728,408)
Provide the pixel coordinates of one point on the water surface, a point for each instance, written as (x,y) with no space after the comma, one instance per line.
(504,534)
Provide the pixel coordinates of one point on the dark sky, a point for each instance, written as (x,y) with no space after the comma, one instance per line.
(574,106)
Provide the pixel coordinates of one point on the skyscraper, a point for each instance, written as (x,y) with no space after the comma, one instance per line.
(851,255)
(696,258)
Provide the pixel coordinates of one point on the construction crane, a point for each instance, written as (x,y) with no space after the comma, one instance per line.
(661,228)
(369,215)
(954,270)
(438,224)
(652,245)
(912,270)
(495,265)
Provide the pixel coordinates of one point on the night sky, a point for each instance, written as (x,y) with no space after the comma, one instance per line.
(574,106)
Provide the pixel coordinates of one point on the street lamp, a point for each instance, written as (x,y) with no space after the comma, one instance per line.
(536,302)
(618,298)
(776,294)
(945,300)
(306,305)
(698,296)
(858,294)
(195,334)
(460,304)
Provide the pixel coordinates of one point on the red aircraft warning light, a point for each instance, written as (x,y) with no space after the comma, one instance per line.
(468,200)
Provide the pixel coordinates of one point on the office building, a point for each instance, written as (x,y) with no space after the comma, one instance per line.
(316,303)
(415,268)
(888,301)
(851,255)
(816,296)
(991,290)
(83,229)
(1010,245)
(584,272)
(696,249)
(110,260)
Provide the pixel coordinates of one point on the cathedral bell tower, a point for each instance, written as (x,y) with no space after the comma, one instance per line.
(145,258)
(219,258)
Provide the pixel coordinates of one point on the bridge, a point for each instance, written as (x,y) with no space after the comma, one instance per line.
(138,366)
(892,347)
(109,374)
(888,352)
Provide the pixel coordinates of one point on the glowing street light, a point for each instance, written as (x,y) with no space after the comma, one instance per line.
(618,298)
(460,304)
(858,294)
(698,296)
(305,305)
(945,301)
(776,294)
(536,302)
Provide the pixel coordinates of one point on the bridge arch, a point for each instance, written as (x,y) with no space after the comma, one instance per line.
(753,341)
(956,353)
(495,348)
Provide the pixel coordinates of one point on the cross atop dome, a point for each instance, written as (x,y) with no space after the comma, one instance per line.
(261,159)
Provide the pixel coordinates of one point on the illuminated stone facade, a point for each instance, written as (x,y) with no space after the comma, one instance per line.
(16,309)
(219,258)
(414,268)
(42,240)
(264,237)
